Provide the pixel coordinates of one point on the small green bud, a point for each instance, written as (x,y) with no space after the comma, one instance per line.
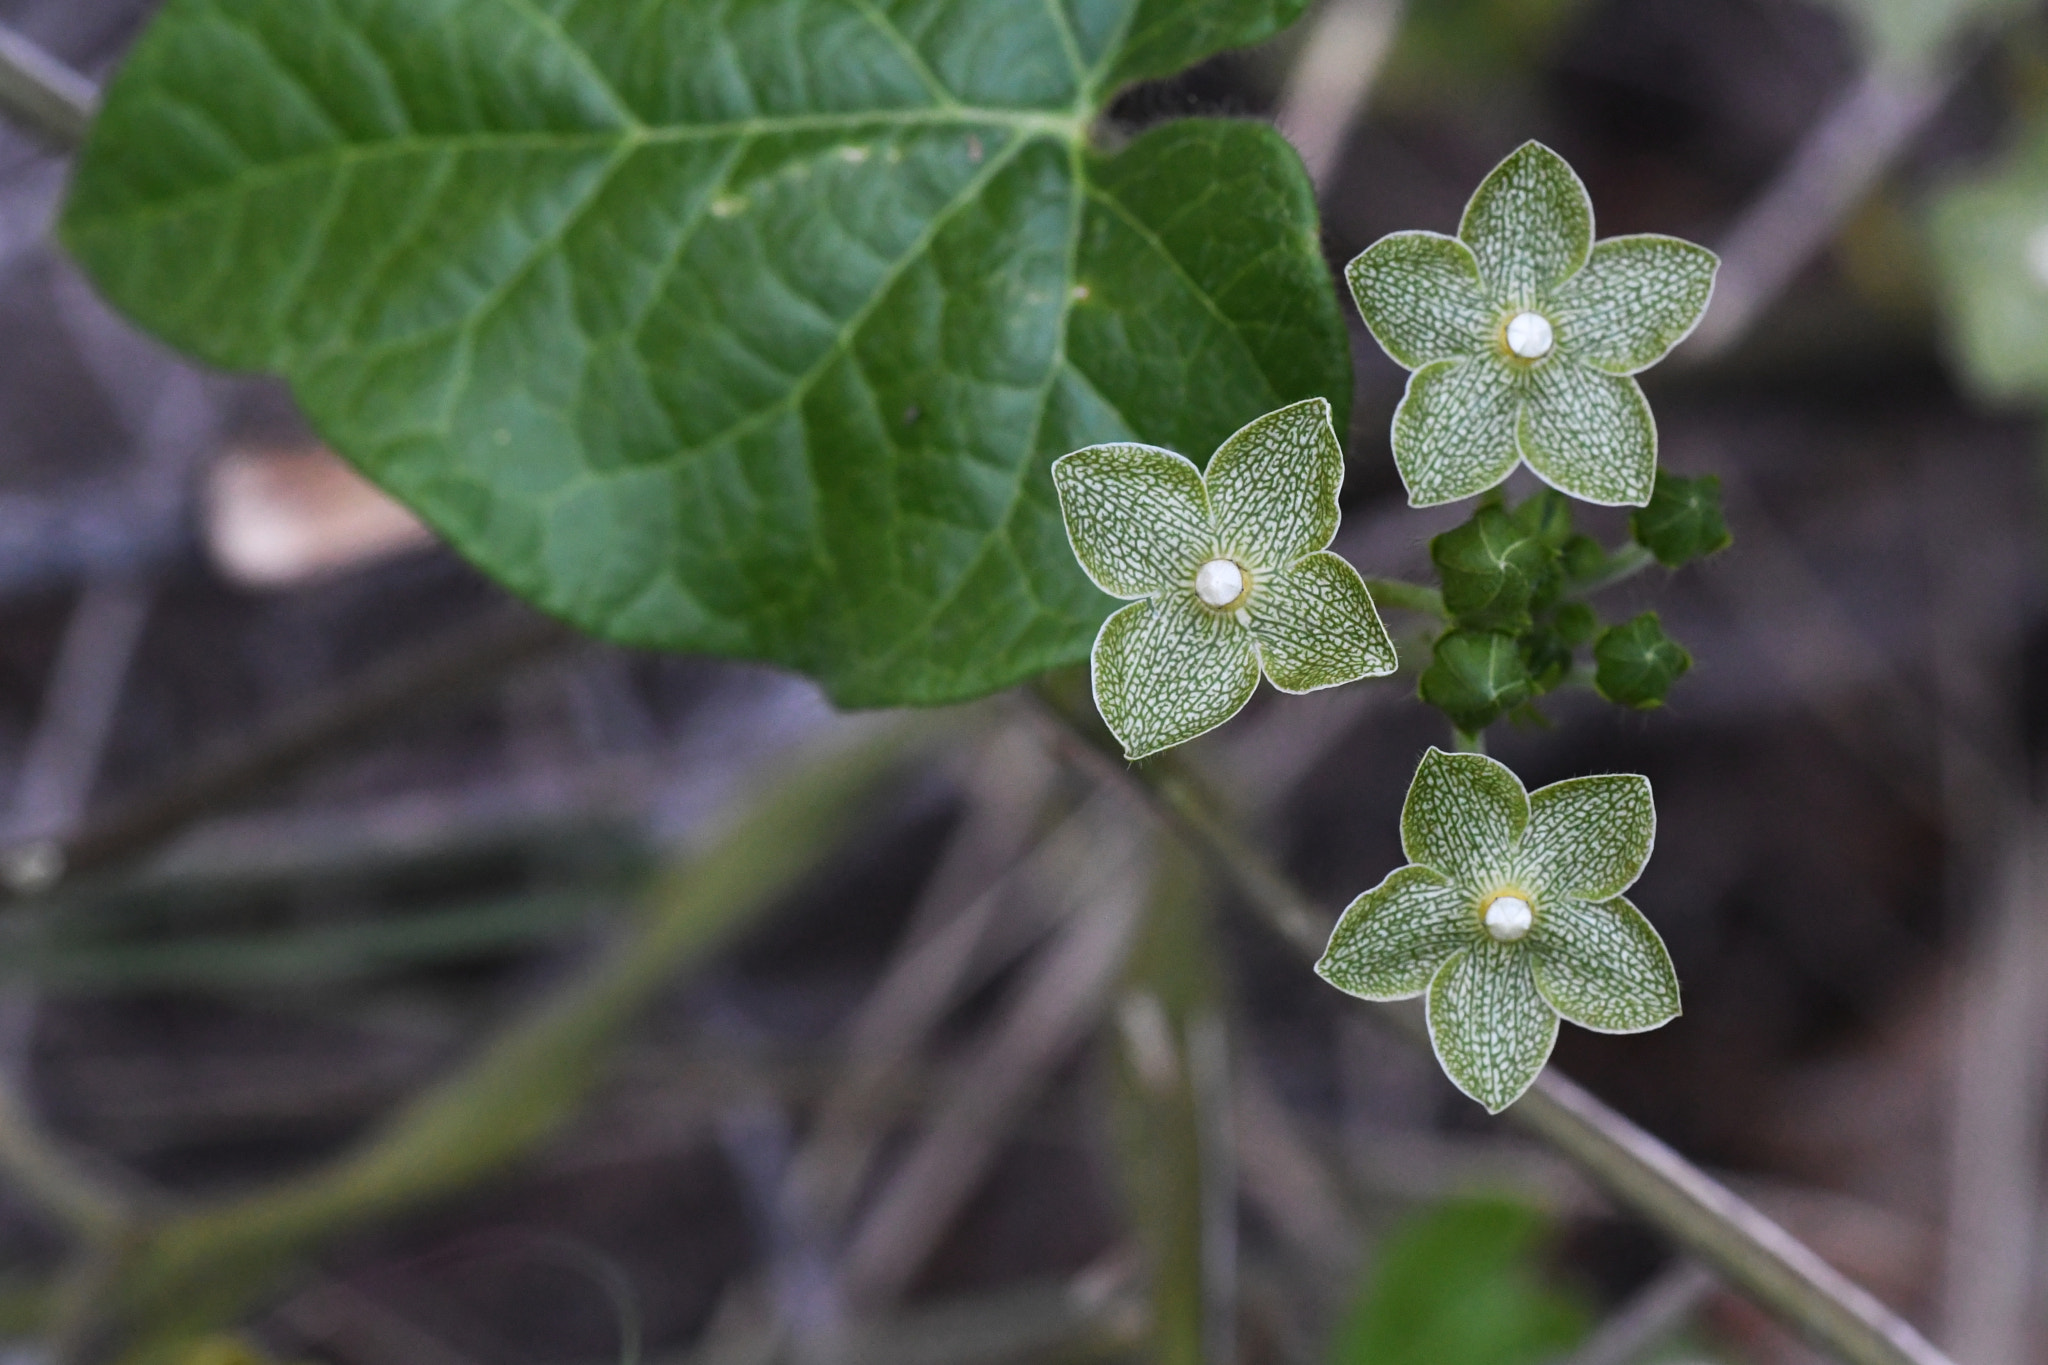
(1546,658)
(1636,663)
(1475,677)
(1492,567)
(1547,516)
(1583,558)
(1683,521)
(1575,623)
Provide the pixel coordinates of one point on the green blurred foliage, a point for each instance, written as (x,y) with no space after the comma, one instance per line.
(1459,1285)
(1460,43)
(1989,236)
(1908,33)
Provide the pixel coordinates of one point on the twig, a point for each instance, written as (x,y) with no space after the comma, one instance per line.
(79,704)
(397,688)
(1738,1242)
(1326,90)
(42,95)
(1830,173)
(1396,592)
(1651,1314)
(1051,1013)
(200,1267)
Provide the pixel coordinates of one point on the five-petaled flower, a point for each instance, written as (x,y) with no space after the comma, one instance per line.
(1523,334)
(1509,914)
(1229,573)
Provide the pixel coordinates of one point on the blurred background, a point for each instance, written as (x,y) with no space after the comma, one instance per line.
(478,995)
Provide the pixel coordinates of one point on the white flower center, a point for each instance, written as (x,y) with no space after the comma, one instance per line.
(1529,335)
(1219,582)
(1508,918)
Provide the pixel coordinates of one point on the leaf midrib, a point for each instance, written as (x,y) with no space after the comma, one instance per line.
(1065,128)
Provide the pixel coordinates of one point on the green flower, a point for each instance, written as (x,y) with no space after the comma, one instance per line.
(1228,571)
(1523,333)
(1509,914)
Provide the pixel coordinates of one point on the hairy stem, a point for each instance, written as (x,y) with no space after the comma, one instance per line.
(1396,592)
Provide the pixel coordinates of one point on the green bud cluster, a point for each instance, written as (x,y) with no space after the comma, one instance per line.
(1514,582)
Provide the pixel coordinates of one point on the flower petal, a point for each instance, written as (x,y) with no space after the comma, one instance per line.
(1393,939)
(1530,224)
(1454,433)
(1137,516)
(1464,816)
(1491,1028)
(1636,299)
(1316,626)
(1273,486)
(1588,837)
(1167,669)
(1420,296)
(1603,966)
(1589,434)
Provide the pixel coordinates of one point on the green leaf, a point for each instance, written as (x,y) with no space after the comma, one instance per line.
(1547,659)
(1603,966)
(1636,663)
(749,328)
(1588,836)
(1458,1285)
(1390,941)
(1491,567)
(1475,677)
(1683,520)
(1584,558)
(1463,817)
(1166,669)
(1492,1029)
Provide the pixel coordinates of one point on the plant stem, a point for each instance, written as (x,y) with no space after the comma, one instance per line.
(198,1268)
(1735,1240)
(1630,560)
(42,95)
(1468,741)
(1397,592)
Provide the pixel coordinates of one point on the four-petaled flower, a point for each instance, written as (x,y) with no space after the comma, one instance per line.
(1523,334)
(1510,914)
(1229,573)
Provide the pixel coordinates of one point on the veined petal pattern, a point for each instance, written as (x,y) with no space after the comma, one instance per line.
(1167,669)
(1393,939)
(1420,296)
(1454,433)
(1603,966)
(1636,299)
(1530,224)
(1491,1028)
(1137,516)
(1316,626)
(1588,837)
(1464,817)
(1273,486)
(1589,434)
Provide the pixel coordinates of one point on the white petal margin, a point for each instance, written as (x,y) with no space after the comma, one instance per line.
(1603,966)
(1530,223)
(1273,486)
(1316,626)
(1390,941)
(1464,816)
(1137,516)
(1491,1028)
(1588,837)
(1636,299)
(1420,297)
(1168,669)
(1589,434)
(1454,433)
